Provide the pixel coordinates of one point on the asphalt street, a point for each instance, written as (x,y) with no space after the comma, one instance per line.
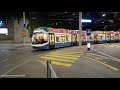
(102,61)
(20,62)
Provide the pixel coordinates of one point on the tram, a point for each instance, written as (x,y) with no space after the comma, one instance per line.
(112,37)
(49,38)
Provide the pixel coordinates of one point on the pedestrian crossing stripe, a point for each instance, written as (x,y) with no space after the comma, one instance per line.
(67,52)
(62,58)
(61,64)
(111,46)
(93,56)
(116,46)
(67,55)
(58,59)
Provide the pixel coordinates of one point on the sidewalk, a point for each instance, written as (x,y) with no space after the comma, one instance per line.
(6,41)
(18,45)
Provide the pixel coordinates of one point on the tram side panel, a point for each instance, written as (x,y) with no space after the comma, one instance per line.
(108,37)
(62,40)
(101,38)
(74,39)
(119,37)
(67,40)
(59,40)
(78,37)
(84,38)
(91,38)
(112,38)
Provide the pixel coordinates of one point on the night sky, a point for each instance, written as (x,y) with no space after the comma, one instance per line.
(55,17)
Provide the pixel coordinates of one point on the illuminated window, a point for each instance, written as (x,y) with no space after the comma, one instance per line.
(74,38)
(116,36)
(57,37)
(62,38)
(92,38)
(96,37)
(45,37)
(83,38)
(40,38)
(112,37)
(100,37)
(3,31)
(108,36)
(78,37)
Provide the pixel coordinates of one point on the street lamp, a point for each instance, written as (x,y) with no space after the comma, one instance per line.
(80,28)
(24,28)
(103,15)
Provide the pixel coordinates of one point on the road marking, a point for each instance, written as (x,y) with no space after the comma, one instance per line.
(107,55)
(117,46)
(75,55)
(61,64)
(110,45)
(53,71)
(57,59)
(67,52)
(14,68)
(102,63)
(103,57)
(3,60)
(65,57)
(50,67)
(6,65)
(44,64)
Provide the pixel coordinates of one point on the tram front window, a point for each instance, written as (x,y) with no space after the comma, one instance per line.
(40,38)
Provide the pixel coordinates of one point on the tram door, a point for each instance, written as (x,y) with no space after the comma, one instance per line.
(51,40)
(96,38)
(116,38)
(74,39)
(108,38)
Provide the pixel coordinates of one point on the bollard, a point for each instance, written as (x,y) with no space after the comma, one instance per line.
(48,69)
(88,46)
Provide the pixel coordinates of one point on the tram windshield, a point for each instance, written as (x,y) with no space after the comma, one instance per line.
(40,38)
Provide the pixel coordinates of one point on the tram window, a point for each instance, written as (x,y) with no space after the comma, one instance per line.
(112,37)
(45,37)
(100,37)
(92,37)
(78,37)
(57,37)
(108,37)
(74,38)
(83,38)
(40,38)
(62,38)
(116,36)
(67,38)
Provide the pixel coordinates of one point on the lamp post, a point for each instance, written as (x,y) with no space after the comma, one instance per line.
(80,28)
(24,28)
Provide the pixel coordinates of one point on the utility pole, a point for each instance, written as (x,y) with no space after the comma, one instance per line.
(24,28)
(80,28)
